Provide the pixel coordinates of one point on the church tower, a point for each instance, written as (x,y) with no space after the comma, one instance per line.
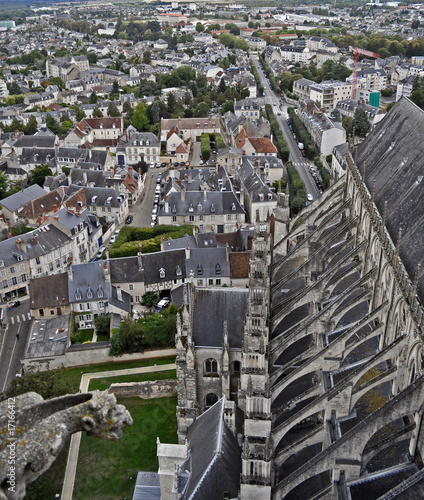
(254,394)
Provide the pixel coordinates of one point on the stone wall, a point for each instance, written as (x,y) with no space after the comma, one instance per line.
(145,390)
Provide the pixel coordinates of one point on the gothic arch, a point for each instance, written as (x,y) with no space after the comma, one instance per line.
(210,367)
(210,399)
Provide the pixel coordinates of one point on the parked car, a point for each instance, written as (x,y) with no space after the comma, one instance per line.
(100,253)
(162,304)
(129,219)
(152,165)
(176,164)
(201,162)
(163,164)
(187,163)
(310,197)
(113,239)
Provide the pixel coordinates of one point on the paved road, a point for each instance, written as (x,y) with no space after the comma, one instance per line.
(13,340)
(71,465)
(279,106)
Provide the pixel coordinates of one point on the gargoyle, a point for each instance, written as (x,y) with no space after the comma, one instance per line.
(33,431)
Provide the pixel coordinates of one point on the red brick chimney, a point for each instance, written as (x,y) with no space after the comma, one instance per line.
(55,208)
(56,218)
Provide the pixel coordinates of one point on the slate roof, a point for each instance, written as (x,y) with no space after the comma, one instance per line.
(36,141)
(19,200)
(253,183)
(47,339)
(49,291)
(210,307)
(36,155)
(214,464)
(394,161)
(43,204)
(125,270)
(221,202)
(88,277)
(171,261)
(198,240)
(208,262)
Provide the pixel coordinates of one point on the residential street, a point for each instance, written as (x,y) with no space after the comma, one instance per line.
(278,106)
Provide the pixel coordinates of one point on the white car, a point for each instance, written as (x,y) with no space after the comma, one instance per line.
(112,240)
(310,197)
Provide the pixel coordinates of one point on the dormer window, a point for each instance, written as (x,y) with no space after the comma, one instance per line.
(233,206)
(78,295)
(101,125)
(89,293)
(212,208)
(162,272)
(191,208)
(199,269)
(174,209)
(100,293)
(217,269)
(147,143)
(199,206)
(178,271)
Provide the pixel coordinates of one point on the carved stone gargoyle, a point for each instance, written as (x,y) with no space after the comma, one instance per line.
(33,431)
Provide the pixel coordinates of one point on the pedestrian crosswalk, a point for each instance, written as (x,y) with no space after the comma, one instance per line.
(20,318)
(301,164)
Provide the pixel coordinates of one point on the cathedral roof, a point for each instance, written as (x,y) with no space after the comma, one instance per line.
(393,156)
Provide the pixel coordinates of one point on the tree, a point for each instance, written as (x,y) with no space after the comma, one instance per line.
(3,185)
(97,113)
(102,324)
(48,383)
(150,299)
(141,166)
(147,57)
(31,126)
(92,58)
(79,114)
(52,124)
(200,27)
(39,174)
(155,112)
(201,110)
(93,98)
(14,89)
(228,106)
(127,338)
(361,122)
(115,88)
(171,103)
(139,118)
(112,110)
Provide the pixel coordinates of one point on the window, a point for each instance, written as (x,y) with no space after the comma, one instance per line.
(41,312)
(199,282)
(162,272)
(12,270)
(101,305)
(89,293)
(174,218)
(39,270)
(218,281)
(21,268)
(137,298)
(217,269)
(81,307)
(210,281)
(51,267)
(191,218)
(210,367)
(51,312)
(37,260)
(3,272)
(211,399)
(199,269)
(131,287)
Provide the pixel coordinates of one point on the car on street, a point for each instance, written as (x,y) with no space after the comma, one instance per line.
(113,239)
(201,162)
(310,197)
(100,253)
(152,165)
(129,219)
(187,163)
(158,180)
(176,164)
(163,164)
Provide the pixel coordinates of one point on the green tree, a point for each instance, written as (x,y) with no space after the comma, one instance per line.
(418,98)
(3,185)
(39,174)
(200,27)
(79,113)
(52,124)
(14,89)
(31,126)
(102,324)
(92,57)
(155,112)
(93,98)
(171,102)
(115,88)
(150,299)
(147,57)
(361,122)
(139,118)
(201,110)
(48,383)
(97,113)
(227,106)
(127,338)
(112,110)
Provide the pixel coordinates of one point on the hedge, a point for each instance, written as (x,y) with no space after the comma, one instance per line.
(272,79)
(127,243)
(205,145)
(219,141)
(302,134)
(323,172)
(281,144)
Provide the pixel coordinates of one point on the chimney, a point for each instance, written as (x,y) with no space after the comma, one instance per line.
(183,194)
(119,293)
(227,252)
(35,238)
(84,177)
(166,206)
(56,218)
(39,221)
(46,218)
(55,208)
(139,257)
(69,266)
(187,252)
(205,195)
(190,178)
(106,270)
(131,172)
(71,210)
(9,235)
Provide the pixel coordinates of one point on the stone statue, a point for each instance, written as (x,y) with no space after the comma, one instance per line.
(33,431)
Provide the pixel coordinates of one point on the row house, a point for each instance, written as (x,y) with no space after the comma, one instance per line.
(129,182)
(248,108)
(41,252)
(191,128)
(328,93)
(325,133)
(60,67)
(218,211)
(138,146)
(14,203)
(97,132)
(103,202)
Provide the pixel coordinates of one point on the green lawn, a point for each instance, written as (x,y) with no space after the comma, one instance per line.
(107,470)
(73,375)
(104,383)
(86,335)
(102,337)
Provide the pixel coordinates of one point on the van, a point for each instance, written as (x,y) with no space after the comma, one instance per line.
(100,253)
(162,304)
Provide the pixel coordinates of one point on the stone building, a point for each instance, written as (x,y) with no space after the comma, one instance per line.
(331,356)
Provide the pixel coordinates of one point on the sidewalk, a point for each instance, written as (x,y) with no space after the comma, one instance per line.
(71,465)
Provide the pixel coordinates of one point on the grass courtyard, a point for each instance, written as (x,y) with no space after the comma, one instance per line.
(107,470)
